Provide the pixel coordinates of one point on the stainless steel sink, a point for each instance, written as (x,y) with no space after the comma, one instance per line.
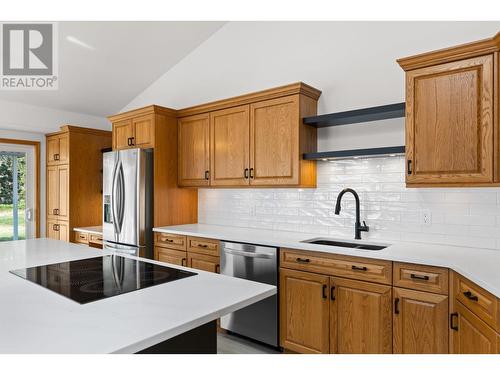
(352,245)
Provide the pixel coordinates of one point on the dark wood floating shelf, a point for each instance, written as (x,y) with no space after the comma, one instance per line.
(357,116)
(366,152)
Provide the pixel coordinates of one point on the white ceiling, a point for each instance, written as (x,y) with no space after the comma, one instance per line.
(104,65)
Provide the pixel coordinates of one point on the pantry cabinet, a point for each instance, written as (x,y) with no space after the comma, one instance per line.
(451,128)
(74,154)
(420,322)
(252,140)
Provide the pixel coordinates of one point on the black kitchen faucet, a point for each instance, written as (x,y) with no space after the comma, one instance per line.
(358,228)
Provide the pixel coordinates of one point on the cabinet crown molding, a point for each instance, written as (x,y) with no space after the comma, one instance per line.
(460,52)
(148,110)
(276,92)
(80,129)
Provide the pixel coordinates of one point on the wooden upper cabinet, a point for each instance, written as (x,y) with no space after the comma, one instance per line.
(360,317)
(123,132)
(470,334)
(143,131)
(451,130)
(256,139)
(420,322)
(194,150)
(229,146)
(58,149)
(274,140)
(304,311)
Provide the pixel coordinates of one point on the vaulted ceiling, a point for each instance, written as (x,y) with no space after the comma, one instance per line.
(104,65)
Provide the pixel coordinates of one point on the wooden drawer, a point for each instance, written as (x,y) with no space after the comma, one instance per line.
(479,301)
(205,246)
(204,262)
(378,271)
(171,256)
(419,277)
(172,241)
(96,238)
(82,237)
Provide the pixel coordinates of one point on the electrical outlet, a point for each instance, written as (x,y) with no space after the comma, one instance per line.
(425,217)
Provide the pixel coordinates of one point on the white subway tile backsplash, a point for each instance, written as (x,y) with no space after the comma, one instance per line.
(466,217)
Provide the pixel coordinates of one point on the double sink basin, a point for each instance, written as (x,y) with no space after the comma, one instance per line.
(351,245)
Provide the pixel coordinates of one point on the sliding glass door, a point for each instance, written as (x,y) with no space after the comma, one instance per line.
(17,192)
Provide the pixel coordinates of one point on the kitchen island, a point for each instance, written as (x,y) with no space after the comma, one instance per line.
(34,319)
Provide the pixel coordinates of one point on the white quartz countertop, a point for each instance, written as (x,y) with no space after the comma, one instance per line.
(93,230)
(34,319)
(481,266)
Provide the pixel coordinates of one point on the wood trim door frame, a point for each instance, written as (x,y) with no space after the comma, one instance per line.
(36,144)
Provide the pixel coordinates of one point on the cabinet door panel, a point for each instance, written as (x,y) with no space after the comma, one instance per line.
(304,311)
(143,131)
(64,149)
(204,262)
(63,229)
(122,132)
(194,150)
(171,256)
(52,150)
(472,336)
(360,317)
(274,141)
(449,122)
(420,322)
(229,146)
(52,192)
(63,204)
(51,231)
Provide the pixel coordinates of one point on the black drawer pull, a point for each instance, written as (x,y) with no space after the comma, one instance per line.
(332,294)
(201,245)
(246,173)
(452,326)
(168,240)
(419,277)
(303,260)
(324,292)
(357,268)
(470,296)
(396,306)
(251,173)
(409,167)
(207,175)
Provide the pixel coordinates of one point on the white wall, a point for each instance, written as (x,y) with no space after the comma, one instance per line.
(27,122)
(354,64)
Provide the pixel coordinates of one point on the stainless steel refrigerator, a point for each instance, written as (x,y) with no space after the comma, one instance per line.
(128,202)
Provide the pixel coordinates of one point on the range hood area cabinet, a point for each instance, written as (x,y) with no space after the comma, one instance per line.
(252,140)
(452,124)
(73,179)
(155,127)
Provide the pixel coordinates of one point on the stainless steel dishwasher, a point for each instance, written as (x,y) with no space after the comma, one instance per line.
(258,263)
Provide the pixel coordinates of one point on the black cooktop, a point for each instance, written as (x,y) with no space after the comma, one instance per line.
(89,280)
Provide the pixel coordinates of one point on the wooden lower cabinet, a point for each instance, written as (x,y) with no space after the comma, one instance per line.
(304,311)
(420,322)
(58,230)
(172,256)
(470,335)
(360,317)
(204,262)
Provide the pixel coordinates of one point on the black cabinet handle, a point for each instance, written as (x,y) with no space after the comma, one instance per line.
(207,175)
(168,240)
(246,172)
(251,173)
(303,260)
(419,277)
(471,296)
(54,211)
(454,327)
(54,227)
(183,262)
(201,245)
(56,157)
(396,306)
(409,167)
(129,141)
(132,141)
(332,294)
(324,292)
(217,268)
(359,268)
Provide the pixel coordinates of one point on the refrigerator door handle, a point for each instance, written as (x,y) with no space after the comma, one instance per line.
(120,195)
